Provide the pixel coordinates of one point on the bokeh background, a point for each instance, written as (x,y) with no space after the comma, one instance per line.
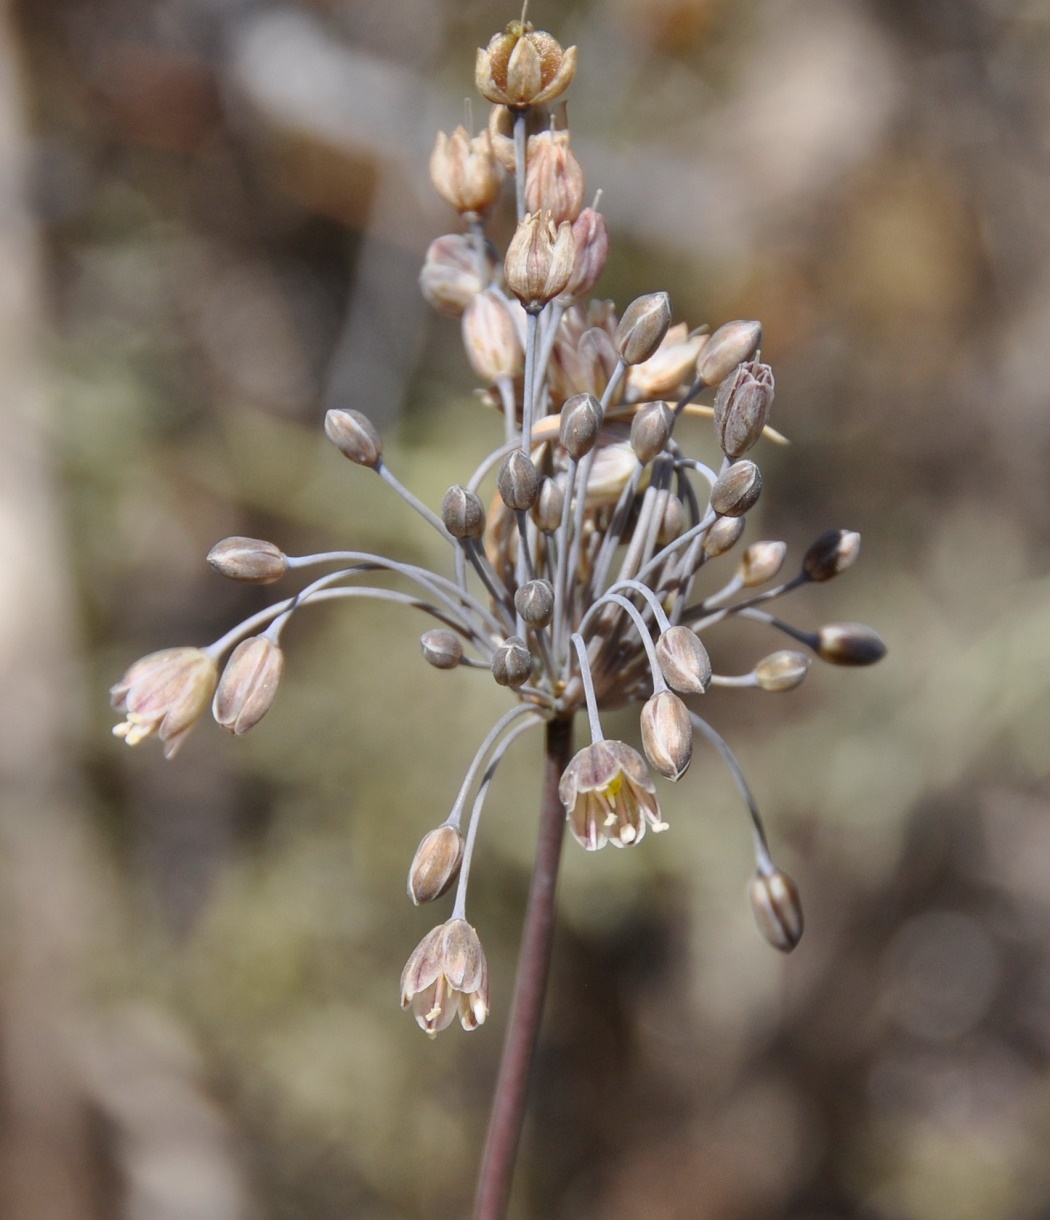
(213,216)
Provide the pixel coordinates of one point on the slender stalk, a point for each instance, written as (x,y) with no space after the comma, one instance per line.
(508,1106)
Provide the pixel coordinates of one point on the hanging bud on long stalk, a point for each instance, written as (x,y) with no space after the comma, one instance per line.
(849,644)
(248,685)
(667,735)
(777,908)
(435,865)
(354,435)
(684,661)
(442,648)
(251,560)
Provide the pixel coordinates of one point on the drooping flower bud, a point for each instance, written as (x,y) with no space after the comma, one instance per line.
(729,346)
(523,67)
(354,435)
(777,908)
(251,560)
(783,670)
(512,663)
(490,337)
(248,685)
(760,562)
(737,489)
(592,253)
(456,268)
(550,502)
(165,694)
(442,648)
(651,429)
(849,644)
(742,407)
(831,554)
(667,735)
(534,601)
(518,481)
(462,512)
(539,260)
(581,421)
(722,536)
(643,326)
(684,661)
(435,865)
(464,171)
(447,974)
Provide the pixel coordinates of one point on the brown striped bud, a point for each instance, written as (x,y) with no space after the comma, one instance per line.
(464,171)
(534,601)
(435,865)
(554,177)
(684,661)
(512,662)
(248,559)
(462,512)
(651,429)
(667,735)
(783,670)
(722,536)
(539,260)
(581,421)
(518,481)
(643,326)
(849,644)
(592,253)
(760,562)
(456,268)
(354,435)
(523,67)
(550,502)
(443,649)
(831,554)
(248,685)
(737,489)
(742,406)
(490,337)
(729,346)
(778,911)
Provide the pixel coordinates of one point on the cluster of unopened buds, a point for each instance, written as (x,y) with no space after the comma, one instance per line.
(575,588)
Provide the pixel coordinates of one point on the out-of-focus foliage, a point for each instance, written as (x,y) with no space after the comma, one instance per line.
(231,207)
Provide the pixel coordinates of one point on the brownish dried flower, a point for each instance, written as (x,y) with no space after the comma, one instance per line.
(523,66)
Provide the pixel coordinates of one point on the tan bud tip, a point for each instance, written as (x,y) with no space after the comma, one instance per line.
(777,909)
(760,562)
(435,865)
(729,346)
(354,435)
(831,554)
(643,326)
(781,671)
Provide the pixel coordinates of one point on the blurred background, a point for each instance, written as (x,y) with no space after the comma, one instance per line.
(213,217)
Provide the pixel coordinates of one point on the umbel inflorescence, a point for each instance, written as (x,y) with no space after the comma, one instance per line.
(574,587)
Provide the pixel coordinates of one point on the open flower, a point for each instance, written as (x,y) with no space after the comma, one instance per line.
(165,694)
(608,796)
(447,973)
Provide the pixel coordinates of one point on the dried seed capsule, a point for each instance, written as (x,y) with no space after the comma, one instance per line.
(643,326)
(742,407)
(554,177)
(249,559)
(512,662)
(667,735)
(760,562)
(581,421)
(464,171)
(248,685)
(729,346)
(539,260)
(737,489)
(684,661)
(651,429)
(490,337)
(783,670)
(831,554)
(849,644)
(523,67)
(534,601)
(443,649)
(518,481)
(462,512)
(354,435)
(722,536)
(592,252)
(673,521)
(456,268)
(547,510)
(435,865)
(778,911)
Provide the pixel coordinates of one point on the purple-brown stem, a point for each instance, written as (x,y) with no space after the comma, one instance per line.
(530,988)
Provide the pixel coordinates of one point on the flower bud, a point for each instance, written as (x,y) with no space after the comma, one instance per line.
(760,562)
(554,177)
(667,735)
(442,648)
(534,601)
(435,865)
(248,685)
(490,337)
(673,521)
(849,644)
(742,407)
(592,252)
(462,512)
(512,662)
(456,268)
(550,502)
(737,489)
(518,481)
(783,670)
(249,559)
(651,429)
(684,661)
(581,421)
(523,67)
(164,693)
(354,435)
(643,326)
(831,554)
(539,260)
(722,536)
(729,346)
(778,911)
